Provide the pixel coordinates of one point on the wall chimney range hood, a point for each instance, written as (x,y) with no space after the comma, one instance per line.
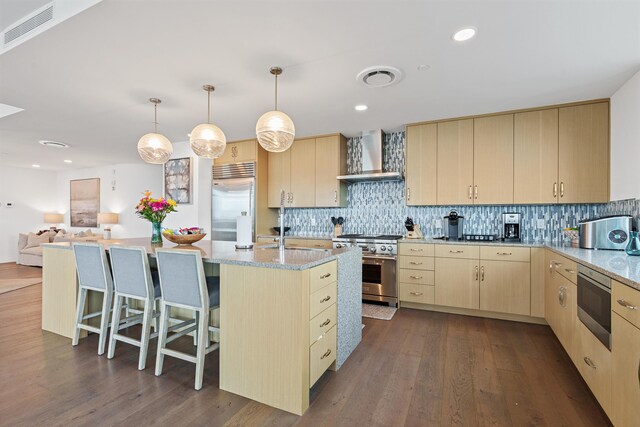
(371,143)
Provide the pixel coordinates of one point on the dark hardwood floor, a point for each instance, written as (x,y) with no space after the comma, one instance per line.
(420,369)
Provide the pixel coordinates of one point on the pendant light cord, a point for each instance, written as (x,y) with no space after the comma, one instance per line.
(155,117)
(208,106)
(276,107)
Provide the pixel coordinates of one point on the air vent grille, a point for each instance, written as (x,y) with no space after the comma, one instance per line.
(29,25)
(234,170)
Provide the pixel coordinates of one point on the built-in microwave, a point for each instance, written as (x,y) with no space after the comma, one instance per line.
(594,303)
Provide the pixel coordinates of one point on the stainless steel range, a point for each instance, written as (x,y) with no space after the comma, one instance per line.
(379,256)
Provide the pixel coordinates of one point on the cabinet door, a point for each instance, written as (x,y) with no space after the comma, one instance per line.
(421,159)
(593,360)
(279,178)
(455,162)
(238,152)
(493,160)
(505,287)
(331,161)
(456,282)
(584,153)
(535,157)
(625,352)
(303,173)
(228,155)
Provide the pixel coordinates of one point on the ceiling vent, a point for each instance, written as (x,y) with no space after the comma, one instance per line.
(29,24)
(379,76)
(53,144)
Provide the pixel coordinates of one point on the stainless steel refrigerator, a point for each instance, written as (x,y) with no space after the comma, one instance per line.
(233,192)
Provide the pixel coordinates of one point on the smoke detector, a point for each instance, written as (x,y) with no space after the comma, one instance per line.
(53,144)
(379,76)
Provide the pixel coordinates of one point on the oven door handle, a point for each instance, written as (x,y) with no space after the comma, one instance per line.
(386,258)
(592,282)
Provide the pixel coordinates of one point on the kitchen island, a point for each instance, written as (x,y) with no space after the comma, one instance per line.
(285,316)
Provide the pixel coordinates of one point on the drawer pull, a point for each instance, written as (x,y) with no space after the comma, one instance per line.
(326,354)
(325,323)
(415,250)
(504,253)
(324,276)
(627,305)
(568,270)
(416,293)
(318,246)
(456,252)
(416,277)
(415,263)
(562,296)
(325,299)
(589,362)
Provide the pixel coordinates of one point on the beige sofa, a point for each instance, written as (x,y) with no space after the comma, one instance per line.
(30,245)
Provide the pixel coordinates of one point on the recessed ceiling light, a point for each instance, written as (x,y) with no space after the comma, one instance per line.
(464,34)
(361,107)
(53,144)
(68,161)
(36,166)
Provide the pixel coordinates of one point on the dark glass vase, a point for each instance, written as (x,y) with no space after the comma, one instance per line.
(633,247)
(156,233)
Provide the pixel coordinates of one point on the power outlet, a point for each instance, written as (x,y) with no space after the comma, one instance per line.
(437,223)
(313,222)
(541,224)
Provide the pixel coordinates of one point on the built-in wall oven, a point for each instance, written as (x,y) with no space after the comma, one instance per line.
(594,303)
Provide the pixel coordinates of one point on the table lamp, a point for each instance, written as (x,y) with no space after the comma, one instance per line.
(54,219)
(107,219)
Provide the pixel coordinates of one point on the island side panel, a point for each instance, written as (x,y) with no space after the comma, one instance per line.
(349,304)
(264,335)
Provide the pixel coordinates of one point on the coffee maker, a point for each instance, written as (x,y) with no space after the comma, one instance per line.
(511,230)
(453,226)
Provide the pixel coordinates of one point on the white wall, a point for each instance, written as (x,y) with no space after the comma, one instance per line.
(625,140)
(130,182)
(32,192)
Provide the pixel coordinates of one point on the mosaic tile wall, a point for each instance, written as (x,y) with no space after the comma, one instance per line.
(379,208)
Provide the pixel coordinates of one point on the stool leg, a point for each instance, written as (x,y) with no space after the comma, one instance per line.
(82,297)
(115,326)
(104,321)
(156,322)
(203,337)
(146,331)
(165,312)
(196,315)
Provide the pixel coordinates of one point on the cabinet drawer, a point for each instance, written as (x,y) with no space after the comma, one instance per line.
(322,299)
(410,292)
(458,251)
(594,363)
(295,243)
(320,324)
(319,244)
(416,276)
(505,253)
(322,275)
(626,302)
(262,240)
(564,267)
(321,355)
(415,249)
(416,262)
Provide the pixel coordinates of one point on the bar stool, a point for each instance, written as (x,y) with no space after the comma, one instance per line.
(93,275)
(133,280)
(184,285)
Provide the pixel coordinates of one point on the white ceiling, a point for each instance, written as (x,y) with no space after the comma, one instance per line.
(86,81)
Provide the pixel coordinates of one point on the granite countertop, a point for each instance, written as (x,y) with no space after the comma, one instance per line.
(286,236)
(430,240)
(220,252)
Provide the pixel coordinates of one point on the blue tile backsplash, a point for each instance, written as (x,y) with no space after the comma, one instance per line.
(379,207)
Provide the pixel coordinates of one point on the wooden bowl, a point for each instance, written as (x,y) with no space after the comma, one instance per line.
(183,239)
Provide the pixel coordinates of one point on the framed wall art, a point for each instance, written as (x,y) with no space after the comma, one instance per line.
(84,202)
(178,180)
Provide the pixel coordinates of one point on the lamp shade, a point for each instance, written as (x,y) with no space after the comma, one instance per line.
(53,218)
(107,218)
(275,131)
(208,141)
(155,148)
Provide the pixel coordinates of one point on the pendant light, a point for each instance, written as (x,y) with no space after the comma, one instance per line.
(275,130)
(153,147)
(207,140)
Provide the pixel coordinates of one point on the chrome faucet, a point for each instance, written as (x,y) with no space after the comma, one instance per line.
(281,218)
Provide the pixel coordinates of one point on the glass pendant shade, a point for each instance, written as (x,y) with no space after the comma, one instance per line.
(155,148)
(208,141)
(275,131)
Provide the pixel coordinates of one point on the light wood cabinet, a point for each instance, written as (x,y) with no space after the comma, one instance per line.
(505,287)
(421,162)
(421,294)
(584,153)
(625,384)
(457,282)
(455,162)
(239,152)
(493,160)
(279,178)
(626,302)
(535,157)
(593,360)
(331,161)
(560,306)
(303,173)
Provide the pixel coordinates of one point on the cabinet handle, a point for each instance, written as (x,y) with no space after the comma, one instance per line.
(318,246)
(415,250)
(482,273)
(325,323)
(415,263)
(504,253)
(555,189)
(469,192)
(476,272)
(408,194)
(335,196)
(416,293)
(325,299)
(561,189)
(324,276)
(561,296)
(568,270)
(475,190)
(627,305)
(415,277)
(589,362)
(456,252)
(326,354)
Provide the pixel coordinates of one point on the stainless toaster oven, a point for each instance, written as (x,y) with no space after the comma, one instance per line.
(610,232)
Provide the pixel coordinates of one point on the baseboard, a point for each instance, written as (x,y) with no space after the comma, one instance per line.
(476,313)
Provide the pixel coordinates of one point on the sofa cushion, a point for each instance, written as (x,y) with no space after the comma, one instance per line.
(22,240)
(34,250)
(33,240)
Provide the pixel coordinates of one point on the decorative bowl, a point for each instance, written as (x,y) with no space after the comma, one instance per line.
(183,239)
(277,229)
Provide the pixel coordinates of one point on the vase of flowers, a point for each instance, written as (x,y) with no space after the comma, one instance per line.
(155,211)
